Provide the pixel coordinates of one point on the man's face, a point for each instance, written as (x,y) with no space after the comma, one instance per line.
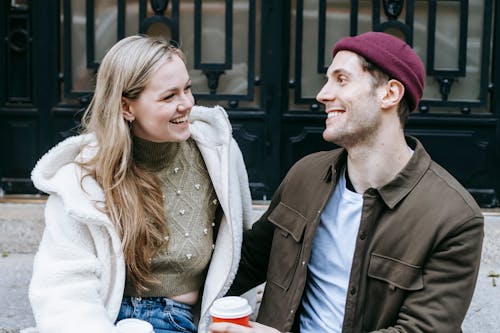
(351,102)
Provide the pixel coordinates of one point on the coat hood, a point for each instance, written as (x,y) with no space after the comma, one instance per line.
(57,173)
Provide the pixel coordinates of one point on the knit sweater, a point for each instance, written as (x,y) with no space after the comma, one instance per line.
(190,204)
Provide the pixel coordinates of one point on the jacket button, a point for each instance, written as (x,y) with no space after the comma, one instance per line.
(362,235)
(353,290)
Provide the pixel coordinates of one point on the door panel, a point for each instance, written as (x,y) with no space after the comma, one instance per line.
(19,146)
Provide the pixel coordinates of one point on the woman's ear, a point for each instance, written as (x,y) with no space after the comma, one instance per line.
(128,115)
(394,92)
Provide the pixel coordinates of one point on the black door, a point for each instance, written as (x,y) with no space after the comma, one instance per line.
(264,61)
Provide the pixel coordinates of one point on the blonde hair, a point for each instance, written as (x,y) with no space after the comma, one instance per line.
(133,197)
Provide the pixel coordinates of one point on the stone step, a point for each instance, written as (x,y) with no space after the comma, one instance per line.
(21,227)
(491,244)
(15,274)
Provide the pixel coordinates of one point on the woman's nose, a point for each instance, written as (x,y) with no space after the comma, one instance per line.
(187,102)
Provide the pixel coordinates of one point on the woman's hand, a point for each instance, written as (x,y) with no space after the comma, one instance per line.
(233,328)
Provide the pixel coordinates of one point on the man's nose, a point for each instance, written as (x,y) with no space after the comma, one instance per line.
(325,94)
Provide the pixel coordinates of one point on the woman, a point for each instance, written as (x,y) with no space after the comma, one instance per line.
(146,208)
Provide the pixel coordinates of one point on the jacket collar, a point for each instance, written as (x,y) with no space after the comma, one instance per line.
(394,191)
(210,126)
(339,159)
(404,182)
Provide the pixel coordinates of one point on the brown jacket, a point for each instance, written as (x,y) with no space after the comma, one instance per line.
(417,253)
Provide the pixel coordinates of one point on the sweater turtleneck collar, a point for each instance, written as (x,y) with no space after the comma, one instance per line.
(153,156)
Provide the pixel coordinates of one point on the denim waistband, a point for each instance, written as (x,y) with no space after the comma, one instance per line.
(163,301)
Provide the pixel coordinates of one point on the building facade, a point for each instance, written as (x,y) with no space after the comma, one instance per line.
(264,61)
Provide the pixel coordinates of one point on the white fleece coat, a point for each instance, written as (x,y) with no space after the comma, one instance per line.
(79,269)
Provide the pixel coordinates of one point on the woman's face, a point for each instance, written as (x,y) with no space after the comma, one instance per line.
(161,112)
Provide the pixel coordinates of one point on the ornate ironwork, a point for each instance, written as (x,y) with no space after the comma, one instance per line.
(213,80)
(213,70)
(322,9)
(18,56)
(92,63)
(445,77)
(159,7)
(445,86)
(393,8)
(67,77)
(17,40)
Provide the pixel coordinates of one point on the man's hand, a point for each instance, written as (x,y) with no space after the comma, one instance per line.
(233,328)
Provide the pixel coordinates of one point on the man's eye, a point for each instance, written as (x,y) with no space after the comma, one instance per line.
(187,88)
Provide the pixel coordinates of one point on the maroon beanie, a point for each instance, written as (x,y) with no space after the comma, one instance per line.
(393,56)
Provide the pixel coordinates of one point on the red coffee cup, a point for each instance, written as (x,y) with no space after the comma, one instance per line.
(231,309)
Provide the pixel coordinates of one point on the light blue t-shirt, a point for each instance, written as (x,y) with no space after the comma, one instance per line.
(330,263)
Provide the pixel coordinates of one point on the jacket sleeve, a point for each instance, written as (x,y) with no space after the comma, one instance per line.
(449,279)
(255,251)
(65,287)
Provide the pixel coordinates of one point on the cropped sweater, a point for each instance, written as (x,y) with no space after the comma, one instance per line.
(190,204)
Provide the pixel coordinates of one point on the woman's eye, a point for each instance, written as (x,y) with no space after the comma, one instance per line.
(166,98)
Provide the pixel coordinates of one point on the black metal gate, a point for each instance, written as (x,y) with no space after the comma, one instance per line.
(264,61)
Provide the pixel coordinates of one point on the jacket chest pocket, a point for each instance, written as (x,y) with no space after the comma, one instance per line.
(286,246)
(397,273)
(390,281)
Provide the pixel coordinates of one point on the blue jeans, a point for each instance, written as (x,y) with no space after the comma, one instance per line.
(166,315)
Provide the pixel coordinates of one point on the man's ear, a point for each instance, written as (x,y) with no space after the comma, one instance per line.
(126,109)
(394,92)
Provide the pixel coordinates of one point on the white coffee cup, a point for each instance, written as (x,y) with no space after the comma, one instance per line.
(231,309)
(133,325)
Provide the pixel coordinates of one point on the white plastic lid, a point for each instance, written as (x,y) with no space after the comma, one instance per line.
(133,325)
(230,307)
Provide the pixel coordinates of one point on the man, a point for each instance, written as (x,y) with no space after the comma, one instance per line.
(371,237)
